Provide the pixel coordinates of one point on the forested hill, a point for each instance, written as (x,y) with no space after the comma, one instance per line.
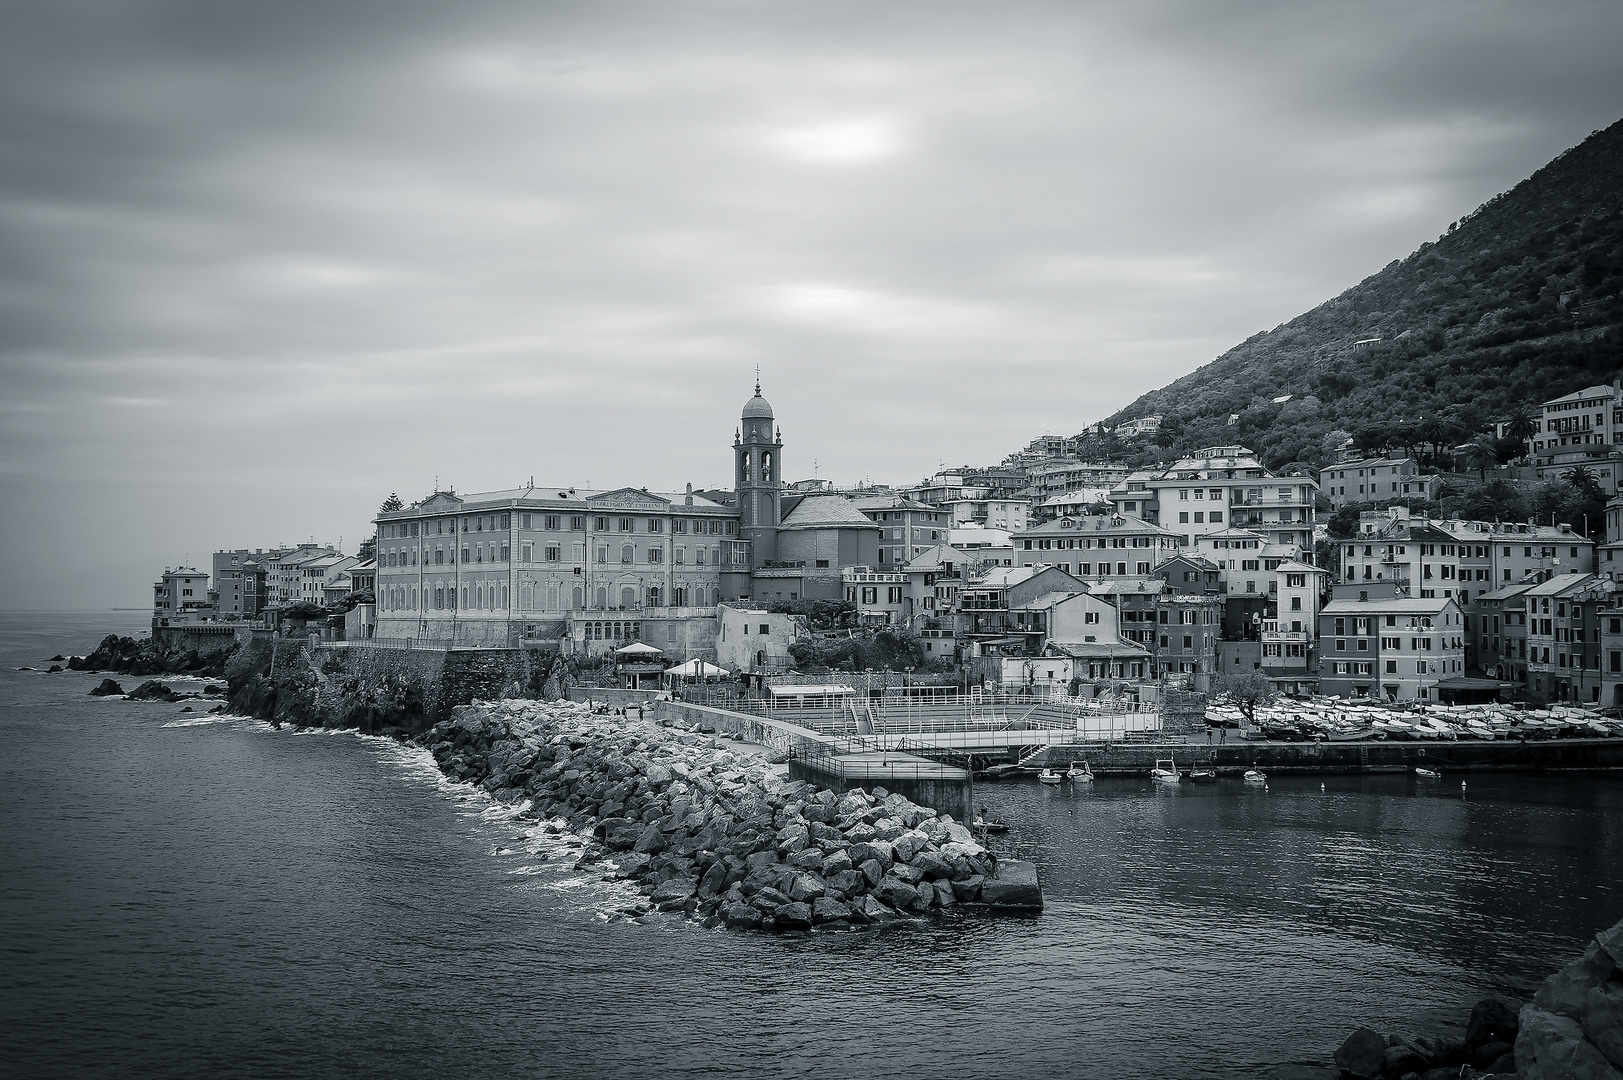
(1517,303)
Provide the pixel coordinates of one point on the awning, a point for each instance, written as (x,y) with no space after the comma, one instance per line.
(637,648)
(697,669)
(1465,682)
(829,690)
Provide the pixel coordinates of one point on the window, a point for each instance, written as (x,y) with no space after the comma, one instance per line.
(656,525)
(526,552)
(822,564)
(554,551)
(656,554)
(627,552)
(1391,667)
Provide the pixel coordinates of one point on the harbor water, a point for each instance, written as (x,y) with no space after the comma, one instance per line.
(195,895)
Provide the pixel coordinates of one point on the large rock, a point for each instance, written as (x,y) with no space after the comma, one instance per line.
(1014,888)
(806,888)
(847,883)
(931,865)
(968,890)
(873,871)
(796,916)
(652,841)
(1402,1058)
(836,863)
(1553,1047)
(106,688)
(1603,1020)
(1363,1055)
(807,859)
(825,910)
(741,916)
(1491,1021)
(713,881)
(908,844)
(675,888)
(895,892)
(1565,993)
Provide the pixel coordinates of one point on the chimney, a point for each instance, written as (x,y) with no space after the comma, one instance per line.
(689,501)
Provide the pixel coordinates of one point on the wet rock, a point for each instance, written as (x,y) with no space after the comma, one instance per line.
(968,890)
(796,916)
(106,688)
(1565,992)
(1015,888)
(895,892)
(1485,1055)
(1363,1055)
(53,669)
(824,910)
(741,916)
(1603,1020)
(152,690)
(713,880)
(675,888)
(652,840)
(1551,1046)
(931,865)
(806,888)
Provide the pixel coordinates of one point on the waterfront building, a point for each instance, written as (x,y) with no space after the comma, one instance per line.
(180,596)
(1179,630)
(1564,636)
(318,576)
(1378,479)
(1496,633)
(755,640)
(239,582)
(819,536)
(880,595)
(497,567)
(1460,558)
(679,633)
(1289,632)
(1058,475)
(1097,547)
(1077,503)
(1218,488)
(284,573)
(989,616)
(1397,648)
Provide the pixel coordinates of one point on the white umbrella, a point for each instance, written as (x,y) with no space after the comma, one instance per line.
(697,669)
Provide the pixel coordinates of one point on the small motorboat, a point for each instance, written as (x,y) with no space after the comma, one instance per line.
(1203,776)
(1049,776)
(1256,776)
(1079,774)
(981,825)
(1166,771)
(1430,774)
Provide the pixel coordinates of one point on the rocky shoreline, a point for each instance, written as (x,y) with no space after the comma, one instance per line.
(127,656)
(715,834)
(1572,1030)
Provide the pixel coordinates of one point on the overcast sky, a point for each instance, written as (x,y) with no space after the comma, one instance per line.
(263,263)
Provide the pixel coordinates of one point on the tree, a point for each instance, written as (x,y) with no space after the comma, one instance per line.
(391,504)
(1343,523)
(1245,692)
(1482,454)
(1583,478)
(1521,424)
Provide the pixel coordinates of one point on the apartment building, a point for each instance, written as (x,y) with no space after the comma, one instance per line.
(1218,488)
(1097,547)
(1367,480)
(180,595)
(1397,649)
(1496,633)
(1564,640)
(239,578)
(907,527)
(1179,630)
(1581,429)
(1290,637)
(1460,558)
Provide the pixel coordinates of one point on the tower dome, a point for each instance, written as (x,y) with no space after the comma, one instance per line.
(756,407)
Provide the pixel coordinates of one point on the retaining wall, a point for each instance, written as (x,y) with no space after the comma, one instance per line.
(1552,755)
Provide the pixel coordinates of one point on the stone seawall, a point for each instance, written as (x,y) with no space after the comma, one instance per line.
(715,834)
(1549,755)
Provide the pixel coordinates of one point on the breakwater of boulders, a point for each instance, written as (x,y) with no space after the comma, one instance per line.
(714,832)
(1571,1030)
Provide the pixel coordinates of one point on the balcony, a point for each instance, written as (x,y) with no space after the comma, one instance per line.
(1285,637)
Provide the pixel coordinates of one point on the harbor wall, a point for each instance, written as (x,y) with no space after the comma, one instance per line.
(1544,755)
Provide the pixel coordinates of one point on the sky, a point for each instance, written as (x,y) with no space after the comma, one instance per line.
(263,264)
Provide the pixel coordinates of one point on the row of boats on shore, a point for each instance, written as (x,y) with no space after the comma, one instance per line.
(1340,721)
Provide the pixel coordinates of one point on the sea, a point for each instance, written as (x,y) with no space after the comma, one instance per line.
(185,894)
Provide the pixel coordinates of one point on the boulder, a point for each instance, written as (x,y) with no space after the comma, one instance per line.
(1551,1046)
(1491,1021)
(895,892)
(106,688)
(652,841)
(873,871)
(1016,888)
(847,883)
(825,910)
(1603,1020)
(968,890)
(807,859)
(1485,1055)
(931,865)
(741,916)
(1401,1059)
(871,909)
(758,865)
(877,850)
(908,844)
(910,874)
(796,916)
(152,690)
(1362,1055)
(713,881)
(835,863)
(806,888)
(1565,992)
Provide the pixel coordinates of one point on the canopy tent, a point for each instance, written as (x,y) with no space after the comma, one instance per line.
(697,669)
(637,648)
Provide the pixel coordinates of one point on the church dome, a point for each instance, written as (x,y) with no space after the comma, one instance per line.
(756,407)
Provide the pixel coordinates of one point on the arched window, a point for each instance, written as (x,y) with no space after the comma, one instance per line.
(653,596)
(766,466)
(577,599)
(464,596)
(744,466)
(628,596)
(602,596)
(628,554)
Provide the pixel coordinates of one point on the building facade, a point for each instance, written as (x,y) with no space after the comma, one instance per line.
(1218,488)
(1394,649)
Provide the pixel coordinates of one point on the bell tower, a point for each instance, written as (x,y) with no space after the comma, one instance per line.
(758,473)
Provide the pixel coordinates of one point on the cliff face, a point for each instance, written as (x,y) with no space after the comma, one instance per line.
(1519,302)
(128,656)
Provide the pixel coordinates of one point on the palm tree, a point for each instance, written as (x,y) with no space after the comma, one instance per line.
(1583,478)
(1522,423)
(1482,454)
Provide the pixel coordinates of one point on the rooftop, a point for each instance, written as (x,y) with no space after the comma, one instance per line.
(826,511)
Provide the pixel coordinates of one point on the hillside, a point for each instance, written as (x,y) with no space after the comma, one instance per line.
(1517,303)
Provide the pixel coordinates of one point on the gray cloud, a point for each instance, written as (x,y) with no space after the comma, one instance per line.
(261,264)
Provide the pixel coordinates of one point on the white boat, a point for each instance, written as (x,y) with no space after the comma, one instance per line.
(1166,771)
(1256,776)
(1079,774)
(1430,774)
(1049,776)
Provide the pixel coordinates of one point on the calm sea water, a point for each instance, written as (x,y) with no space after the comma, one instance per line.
(189,896)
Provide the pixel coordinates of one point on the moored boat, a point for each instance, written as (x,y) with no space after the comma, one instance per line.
(1166,771)
(1256,776)
(1203,775)
(1049,776)
(1079,773)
